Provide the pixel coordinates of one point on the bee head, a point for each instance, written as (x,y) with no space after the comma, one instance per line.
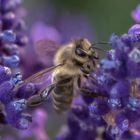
(84,49)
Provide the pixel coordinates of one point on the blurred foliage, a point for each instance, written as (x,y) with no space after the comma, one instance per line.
(106,16)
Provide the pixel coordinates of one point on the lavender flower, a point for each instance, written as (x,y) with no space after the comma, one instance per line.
(73,26)
(116,81)
(136,14)
(36,129)
(135,29)
(40,31)
(14,107)
(114,114)
(11,33)
(11,38)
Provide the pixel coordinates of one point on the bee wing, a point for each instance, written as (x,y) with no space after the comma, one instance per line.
(36,76)
(46,49)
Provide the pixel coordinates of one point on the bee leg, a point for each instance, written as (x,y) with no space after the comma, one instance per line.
(87,76)
(34,100)
(87,67)
(46,92)
(39,98)
(88,92)
(2,117)
(78,81)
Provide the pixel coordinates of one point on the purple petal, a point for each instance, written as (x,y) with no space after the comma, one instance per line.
(135,29)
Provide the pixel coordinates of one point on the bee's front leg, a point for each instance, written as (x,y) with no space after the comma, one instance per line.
(78,81)
(85,91)
(88,67)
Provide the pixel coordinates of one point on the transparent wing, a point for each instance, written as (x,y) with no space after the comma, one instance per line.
(45,50)
(36,76)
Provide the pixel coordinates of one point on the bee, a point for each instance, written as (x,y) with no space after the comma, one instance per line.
(72,62)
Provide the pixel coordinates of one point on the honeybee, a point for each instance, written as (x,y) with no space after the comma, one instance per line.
(72,61)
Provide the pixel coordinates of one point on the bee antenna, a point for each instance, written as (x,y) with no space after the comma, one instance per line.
(93,45)
(100,43)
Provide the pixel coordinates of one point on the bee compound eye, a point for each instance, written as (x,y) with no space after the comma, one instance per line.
(88,66)
(80,52)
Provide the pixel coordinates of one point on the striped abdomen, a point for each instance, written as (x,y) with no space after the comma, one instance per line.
(63,92)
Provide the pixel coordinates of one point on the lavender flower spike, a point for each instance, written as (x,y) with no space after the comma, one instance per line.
(135,29)
(36,129)
(136,14)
